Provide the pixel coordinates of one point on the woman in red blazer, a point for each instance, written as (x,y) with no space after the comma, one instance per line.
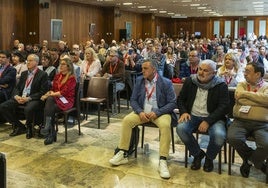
(60,97)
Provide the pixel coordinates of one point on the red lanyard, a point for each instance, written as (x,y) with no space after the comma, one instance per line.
(30,78)
(193,71)
(254,90)
(149,94)
(88,66)
(228,81)
(259,85)
(113,69)
(59,82)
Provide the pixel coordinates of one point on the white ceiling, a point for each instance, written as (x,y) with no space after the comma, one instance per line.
(189,8)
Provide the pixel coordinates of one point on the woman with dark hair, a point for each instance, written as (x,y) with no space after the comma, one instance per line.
(48,67)
(18,63)
(60,97)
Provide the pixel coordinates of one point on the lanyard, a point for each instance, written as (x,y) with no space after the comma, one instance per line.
(149,94)
(59,82)
(113,69)
(88,66)
(193,71)
(259,85)
(228,81)
(30,78)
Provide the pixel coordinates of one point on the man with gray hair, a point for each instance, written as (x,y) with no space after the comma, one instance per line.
(203,104)
(153,100)
(32,85)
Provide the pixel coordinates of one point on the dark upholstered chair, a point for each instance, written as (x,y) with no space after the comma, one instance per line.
(97,93)
(74,111)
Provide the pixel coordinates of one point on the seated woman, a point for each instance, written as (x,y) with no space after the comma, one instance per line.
(230,70)
(19,64)
(48,67)
(89,68)
(60,97)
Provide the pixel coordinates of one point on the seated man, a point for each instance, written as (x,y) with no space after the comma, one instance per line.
(203,103)
(114,68)
(153,100)
(7,76)
(190,66)
(32,85)
(250,119)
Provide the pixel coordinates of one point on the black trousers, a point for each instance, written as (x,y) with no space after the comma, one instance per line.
(51,108)
(8,111)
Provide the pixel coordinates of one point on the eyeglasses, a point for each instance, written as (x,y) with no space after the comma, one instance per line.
(193,55)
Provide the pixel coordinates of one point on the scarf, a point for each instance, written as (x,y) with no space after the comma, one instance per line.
(213,82)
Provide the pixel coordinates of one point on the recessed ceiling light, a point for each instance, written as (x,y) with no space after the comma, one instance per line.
(162,11)
(127,4)
(141,6)
(194,5)
(201,7)
(153,9)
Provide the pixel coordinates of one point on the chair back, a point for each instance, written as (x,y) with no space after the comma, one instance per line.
(98,87)
(77,96)
(177,89)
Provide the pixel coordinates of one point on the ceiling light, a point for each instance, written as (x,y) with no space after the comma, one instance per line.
(127,4)
(141,6)
(201,7)
(194,5)
(153,9)
(162,11)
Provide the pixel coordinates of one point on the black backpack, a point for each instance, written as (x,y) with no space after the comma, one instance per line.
(131,149)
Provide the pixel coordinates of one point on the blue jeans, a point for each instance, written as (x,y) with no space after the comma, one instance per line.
(216,132)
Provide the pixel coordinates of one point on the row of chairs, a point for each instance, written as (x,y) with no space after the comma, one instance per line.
(99,96)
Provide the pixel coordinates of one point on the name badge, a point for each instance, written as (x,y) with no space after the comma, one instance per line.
(244,109)
(148,108)
(63,100)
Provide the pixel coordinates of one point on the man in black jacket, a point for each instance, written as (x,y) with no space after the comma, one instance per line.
(32,85)
(203,103)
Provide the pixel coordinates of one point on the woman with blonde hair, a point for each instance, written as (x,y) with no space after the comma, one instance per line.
(60,97)
(230,71)
(90,67)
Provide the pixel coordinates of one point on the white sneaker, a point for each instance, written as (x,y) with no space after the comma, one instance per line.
(119,159)
(163,169)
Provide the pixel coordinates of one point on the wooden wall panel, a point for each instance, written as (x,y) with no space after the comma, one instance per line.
(76,21)
(20,17)
(120,23)
(12,16)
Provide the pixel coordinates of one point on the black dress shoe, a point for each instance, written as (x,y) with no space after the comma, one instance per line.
(29,133)
(245,169)
(18,130)
(264,167)
(208,165)
(196,165)
(13,131)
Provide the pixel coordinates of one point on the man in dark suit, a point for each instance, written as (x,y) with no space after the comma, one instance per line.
(32,85)
(7,76)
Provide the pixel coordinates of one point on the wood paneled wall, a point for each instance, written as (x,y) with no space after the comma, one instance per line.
(13,26)
(27,21)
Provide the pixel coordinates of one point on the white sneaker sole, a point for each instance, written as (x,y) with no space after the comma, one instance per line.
(125,161)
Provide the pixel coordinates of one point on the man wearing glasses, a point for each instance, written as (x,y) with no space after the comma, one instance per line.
(191,66)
